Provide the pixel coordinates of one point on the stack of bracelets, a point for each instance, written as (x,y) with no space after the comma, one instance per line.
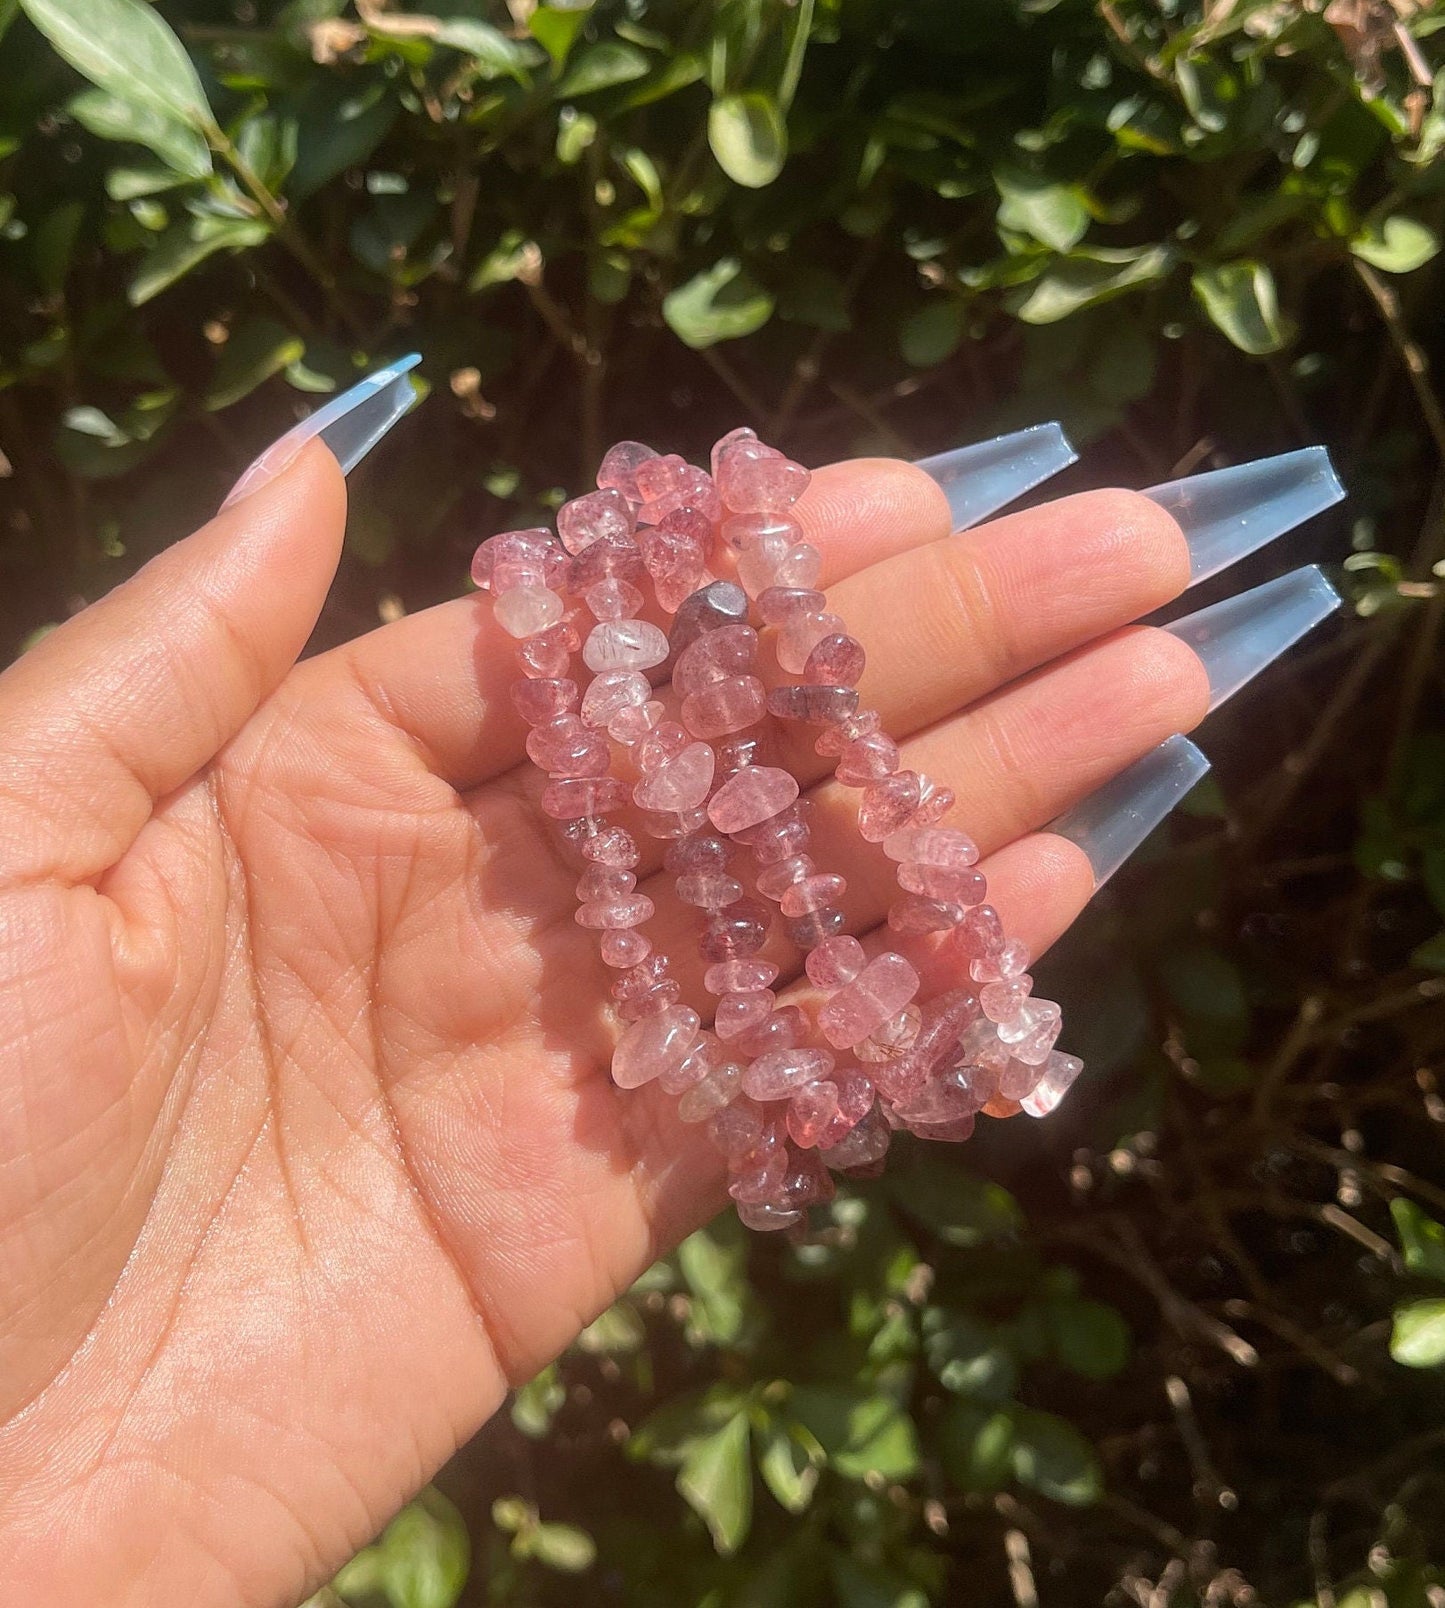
(784,1099)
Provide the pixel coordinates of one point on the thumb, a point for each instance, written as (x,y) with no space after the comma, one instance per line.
(122,704)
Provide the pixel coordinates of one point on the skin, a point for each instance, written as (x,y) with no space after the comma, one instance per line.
(308,1149)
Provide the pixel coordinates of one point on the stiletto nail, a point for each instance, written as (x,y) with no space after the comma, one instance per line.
(350,424)
(1226,514)
(980,479)
(1115,819)
(1237,638)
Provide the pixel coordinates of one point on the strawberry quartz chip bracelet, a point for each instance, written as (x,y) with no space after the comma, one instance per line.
(789,1091)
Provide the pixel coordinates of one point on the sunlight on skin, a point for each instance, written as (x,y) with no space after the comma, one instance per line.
(304,1156)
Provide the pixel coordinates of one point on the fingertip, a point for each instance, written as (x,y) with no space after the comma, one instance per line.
(1039,884)
(867,509)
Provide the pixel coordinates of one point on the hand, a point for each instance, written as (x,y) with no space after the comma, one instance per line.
(307,1145)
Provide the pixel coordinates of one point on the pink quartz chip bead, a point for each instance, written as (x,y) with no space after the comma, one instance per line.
(565,747)
(810,1112)
(519,558)
(812,893)
(681,783)
(752,797)
(544,699)
(737,1013)
(589,518)
(739,976)
(776,1074)
(867,759)
(932,845)
(629,910)
(1060,1070)
(835,961)
(885,985)
(939,882)
(725,706)
(836,661)
(565,798)
(651,1046)
(624,645)
(619,466)
(887,804)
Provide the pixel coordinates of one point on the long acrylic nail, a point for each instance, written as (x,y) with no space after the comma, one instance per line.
(979,480)
(1237,638)
(1226,514)
(1115,819)
(350,424)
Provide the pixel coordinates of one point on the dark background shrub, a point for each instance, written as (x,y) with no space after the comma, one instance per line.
(1183,1342)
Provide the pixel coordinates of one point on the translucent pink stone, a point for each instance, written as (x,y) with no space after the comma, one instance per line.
(677,546)
(801,565)
(887,804)
(864,1145)
(709,608)
(548,655)
(647,974)
(759,564)
(751,797)
(779,604)
(624,946)
(773,881)
(660,998)
(526,610)
(658,475)
(818,706)
(743,531)
(725,706)
(1012,960)
(721,446)
(739,752)
(519,558)
(624,645)
(716,1089)
(836,961)
(1060,1070)
(567,797)
(855,1101)
(605,882)
(705,1054)
(652,1045)
(946,1018)
(631,725)
(739,976)
(764,1218)
(913,915)
(803,633)
(616,558)
(1001,1001)
(735,1129)
(937,882)
(662,744)
(1017,1081)
(708,890)
(587,519)
(783,1030)
(775,1075)
(885,985)
(812,893)
(810,1111)
(613,599)
(1032,1032)
(565,747)
(736,932)
(673,823)
(834,741)
(705,852)
(619,466)
(680,784)
(612,691)
(736,1013)
(868,759)
(933,845)
(979,934)
(630,910)
(753,1183)
(812,929)
(732,650)
(934,802)
(544,699)
(893,1039)
(836,661)
(979,1045)
(947,1098)
(760,485)
(614,846)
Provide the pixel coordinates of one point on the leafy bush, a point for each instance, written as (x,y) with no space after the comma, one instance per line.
(1183,1342)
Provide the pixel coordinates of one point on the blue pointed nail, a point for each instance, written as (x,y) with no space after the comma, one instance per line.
(980,479)
(350,424)
(1115,819)
(1237,638)
(1226,514)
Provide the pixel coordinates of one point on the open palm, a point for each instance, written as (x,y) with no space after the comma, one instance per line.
(307,1144)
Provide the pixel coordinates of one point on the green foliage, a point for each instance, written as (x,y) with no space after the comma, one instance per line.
(1195,233)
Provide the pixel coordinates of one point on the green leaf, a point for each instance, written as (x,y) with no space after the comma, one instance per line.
(1430,956)
(720,304)
(505,261)
(861,1431)
(555,28)
(1088,1336)
(787,1469)
(132,183)
(618,1329)
(126,48)
(602,66)
(1421,1238)
(969,1357)
(337,126)
(489,48)
(1052,213)
(976,1445)
(748,137)
(537,1402)
(1398,245)
(53,242)
(1241,300)
(961,1208)
(109,117)
(421,1560)
(1086,280)
(260,348)
(931,333)
(184,246)
(563,1547)
(716,1480)
(1418,1337)
(9,10)
(1051,1457)
(714,1263)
